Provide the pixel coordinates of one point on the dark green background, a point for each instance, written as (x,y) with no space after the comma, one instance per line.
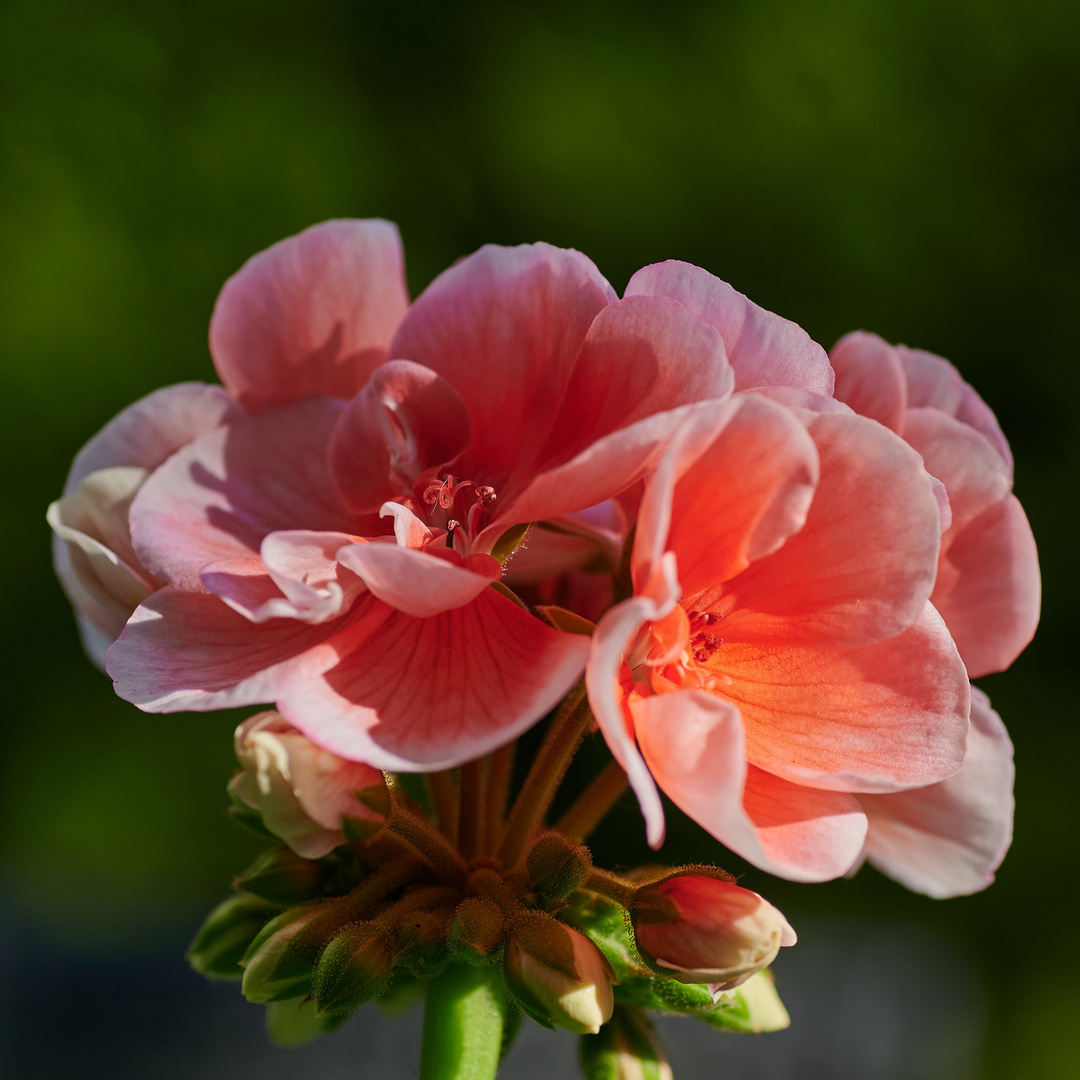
(908,166)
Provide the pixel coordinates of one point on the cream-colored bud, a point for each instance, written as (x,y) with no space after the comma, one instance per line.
(700,929)
(302,791)
(559,976)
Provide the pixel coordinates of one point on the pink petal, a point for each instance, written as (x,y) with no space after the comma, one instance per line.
(870,378)
(154,427)
(949,838)
(405,421)
(693,743)
(932,382)
(862,567)
(219,496)
(416,582)
(504,327)
(426,694)
(762,348)
(659,357)
(988,587)
(188,651)
(313,314)
(297,577)
(878,718)
(744,497)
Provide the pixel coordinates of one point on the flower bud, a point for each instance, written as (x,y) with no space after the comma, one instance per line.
(700,929)
(477,930)
(558,866)
(280,962)
(302,792)
(353,969)
(224,937)
(283,877)
(754,1007)
(559,977)
(627,1048)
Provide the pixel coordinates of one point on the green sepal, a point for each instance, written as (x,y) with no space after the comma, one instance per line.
(505,545)
(225,935)
(352,969)
(249,820)
(284,878)
(295,1022)
(752,1008)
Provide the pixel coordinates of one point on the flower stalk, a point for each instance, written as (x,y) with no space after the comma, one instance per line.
(592,805)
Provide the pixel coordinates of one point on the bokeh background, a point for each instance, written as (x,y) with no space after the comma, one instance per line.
(906,166)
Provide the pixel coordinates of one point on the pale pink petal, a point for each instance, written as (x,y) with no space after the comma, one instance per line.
(219,496)
(762,348)
(398,700)
(184,651)
(643,355)
(417,582)
(504,327)
(988,587)
(932,382)
(693,743)
(862,567)
(313,314)
(949,838)
(744,496)
(878,718)
(973,473)
(296,577)
(153,428)
(614,635)
(405,421)
(870,378)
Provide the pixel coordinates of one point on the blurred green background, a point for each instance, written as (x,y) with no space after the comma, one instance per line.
(907,166)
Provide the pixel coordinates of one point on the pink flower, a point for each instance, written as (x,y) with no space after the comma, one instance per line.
(987,586)
(780,656)
(700,929)
(330,546)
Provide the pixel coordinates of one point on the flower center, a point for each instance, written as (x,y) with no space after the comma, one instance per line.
(460,507)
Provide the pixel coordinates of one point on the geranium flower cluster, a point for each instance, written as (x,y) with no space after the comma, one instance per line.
(414,527)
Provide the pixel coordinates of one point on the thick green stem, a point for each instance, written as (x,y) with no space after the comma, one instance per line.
(550,765)
(463,1025)
(594,802)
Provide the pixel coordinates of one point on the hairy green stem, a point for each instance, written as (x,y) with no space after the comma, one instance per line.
(471,816)
(550,765)
(417,833)
(464,1019)
(500,770)
(375,887)
(612,886)
(590,807)
(444,800)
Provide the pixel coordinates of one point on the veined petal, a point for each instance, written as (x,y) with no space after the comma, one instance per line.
(863,566)
(762,348)
(406,420)
(219,496)
(879,718)
(416,582)
(400,699)
(184,651)
(504,327)
(949,838)
(870,378)
(313,314)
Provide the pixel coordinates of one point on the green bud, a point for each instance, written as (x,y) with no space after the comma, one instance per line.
(558,865)
(295,1022)
(421,943)
(224,937)
(753,1007)
(283,877)
(558,976)
(626,1048)
(353,969)
(280,962)
(477,930)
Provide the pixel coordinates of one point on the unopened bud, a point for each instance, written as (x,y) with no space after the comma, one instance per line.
(754,1007)
(559,977)
(558,865)
(626,1048)
(700,929)
(224,937)
(477,930)
(280,962)
(283,877)
(302,791)
(353,969)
